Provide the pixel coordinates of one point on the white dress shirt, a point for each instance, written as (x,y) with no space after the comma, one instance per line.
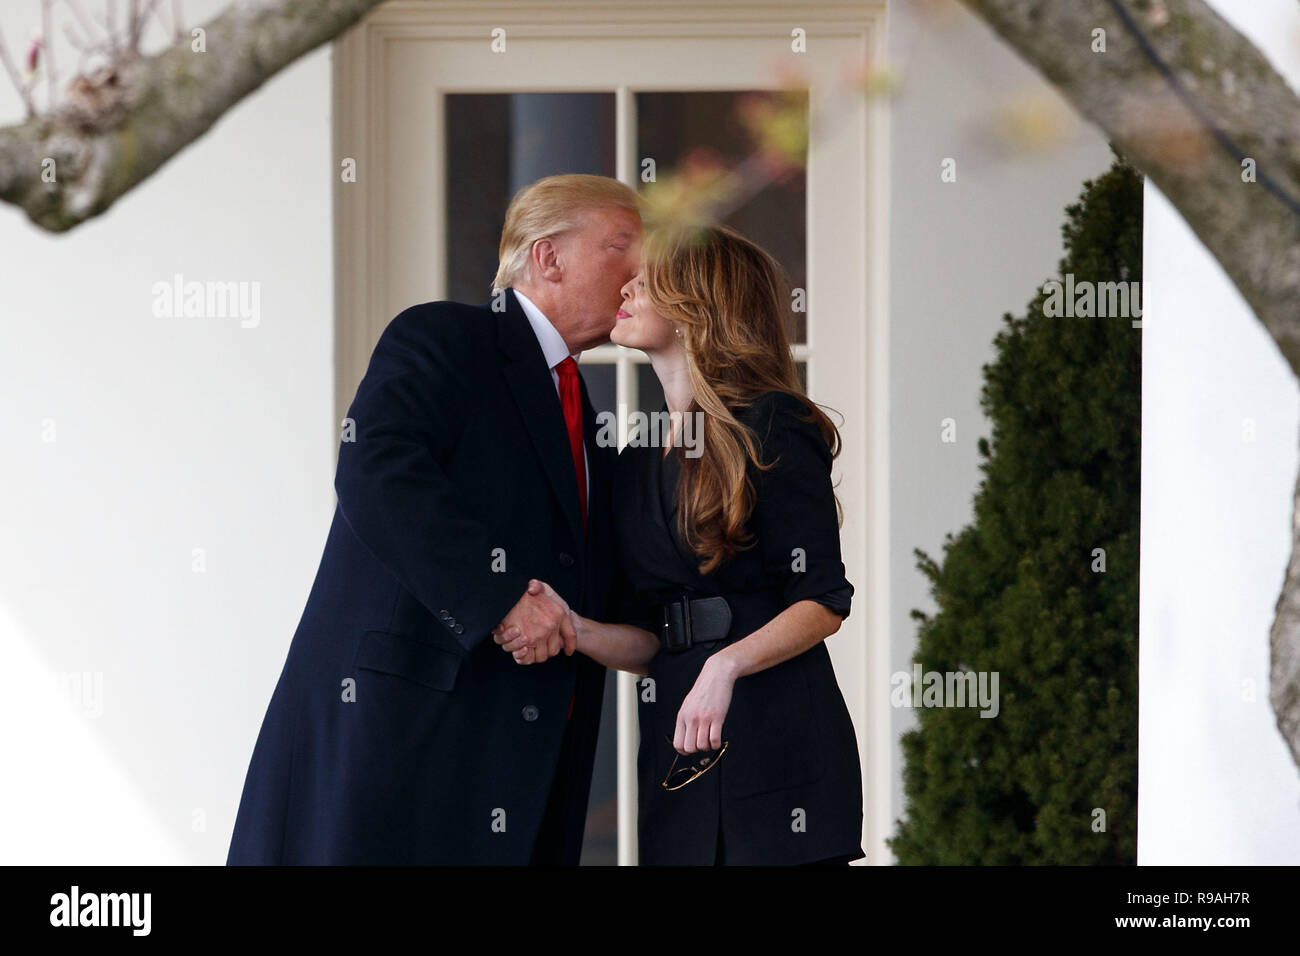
(555,351)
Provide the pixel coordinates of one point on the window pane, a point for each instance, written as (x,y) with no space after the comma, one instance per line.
(672,125)
(649,392)
(600,385)
(497,143)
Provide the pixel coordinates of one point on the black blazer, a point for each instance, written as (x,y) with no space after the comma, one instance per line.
(788,790)
(399,731)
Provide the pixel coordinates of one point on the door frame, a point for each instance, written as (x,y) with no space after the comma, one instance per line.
(373,283)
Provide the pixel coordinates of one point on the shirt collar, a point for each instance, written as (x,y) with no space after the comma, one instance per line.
(553,348)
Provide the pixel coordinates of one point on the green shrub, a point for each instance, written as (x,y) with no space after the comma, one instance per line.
(1018,591)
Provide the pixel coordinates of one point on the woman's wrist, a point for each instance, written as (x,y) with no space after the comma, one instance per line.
(725,663)
(581,627)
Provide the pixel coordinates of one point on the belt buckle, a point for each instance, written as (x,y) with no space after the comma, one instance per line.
(677,611)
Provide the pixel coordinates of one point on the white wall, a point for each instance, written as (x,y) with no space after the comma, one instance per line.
(170,435)
(1216,783)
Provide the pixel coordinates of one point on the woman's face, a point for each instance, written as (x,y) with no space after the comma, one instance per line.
(638,325)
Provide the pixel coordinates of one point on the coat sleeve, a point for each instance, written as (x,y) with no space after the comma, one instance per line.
(797,524)
(393,490)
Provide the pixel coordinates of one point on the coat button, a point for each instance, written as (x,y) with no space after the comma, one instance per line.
(530,712)
(459,628)
(443,614)
(566,559)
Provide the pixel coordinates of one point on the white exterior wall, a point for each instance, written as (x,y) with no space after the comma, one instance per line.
(171,434)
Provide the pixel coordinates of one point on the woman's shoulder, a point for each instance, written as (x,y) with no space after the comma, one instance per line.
(775,410)
(782,423)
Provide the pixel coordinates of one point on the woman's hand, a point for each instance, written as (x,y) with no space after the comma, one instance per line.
(513,641)
(699,721)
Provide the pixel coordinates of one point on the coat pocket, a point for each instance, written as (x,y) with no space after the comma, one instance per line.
(775,742)
(408,657)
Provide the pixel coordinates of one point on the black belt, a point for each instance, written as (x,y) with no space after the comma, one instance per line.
(691,621)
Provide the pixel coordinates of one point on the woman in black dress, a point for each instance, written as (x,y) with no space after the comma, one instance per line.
(731,576)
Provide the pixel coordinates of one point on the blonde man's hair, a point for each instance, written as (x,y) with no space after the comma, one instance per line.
(548,207)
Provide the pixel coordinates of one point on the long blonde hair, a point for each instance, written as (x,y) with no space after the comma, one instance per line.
(729,298)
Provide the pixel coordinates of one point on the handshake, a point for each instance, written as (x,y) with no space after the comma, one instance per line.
(539,626)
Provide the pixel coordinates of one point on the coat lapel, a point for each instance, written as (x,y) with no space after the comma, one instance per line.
(530,383)
(667,474)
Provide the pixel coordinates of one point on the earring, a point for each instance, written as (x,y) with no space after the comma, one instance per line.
(677,331)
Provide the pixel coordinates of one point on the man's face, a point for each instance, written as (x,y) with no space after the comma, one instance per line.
(597,259)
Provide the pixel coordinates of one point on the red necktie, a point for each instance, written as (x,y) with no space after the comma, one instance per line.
(571,402)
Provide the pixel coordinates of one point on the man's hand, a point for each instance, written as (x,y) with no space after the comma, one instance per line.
(538,626)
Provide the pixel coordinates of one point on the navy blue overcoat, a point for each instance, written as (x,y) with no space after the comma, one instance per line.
(399,732)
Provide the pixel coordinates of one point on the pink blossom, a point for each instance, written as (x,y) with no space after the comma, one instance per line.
(34,54)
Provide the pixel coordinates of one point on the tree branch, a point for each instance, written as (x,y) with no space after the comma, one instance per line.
(1284,644)
(120,125)
(1249,229)
(82,20)
(19,85)
(47,50)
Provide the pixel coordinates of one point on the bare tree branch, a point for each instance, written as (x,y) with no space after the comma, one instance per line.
(150,10)
(12,69)
(109,20)
(47,52)
(82,20)
(1191,102)
(1284,644)
(177,20)
(90,43)
(118,126)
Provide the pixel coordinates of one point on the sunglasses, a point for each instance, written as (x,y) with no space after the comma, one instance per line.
(678,777)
